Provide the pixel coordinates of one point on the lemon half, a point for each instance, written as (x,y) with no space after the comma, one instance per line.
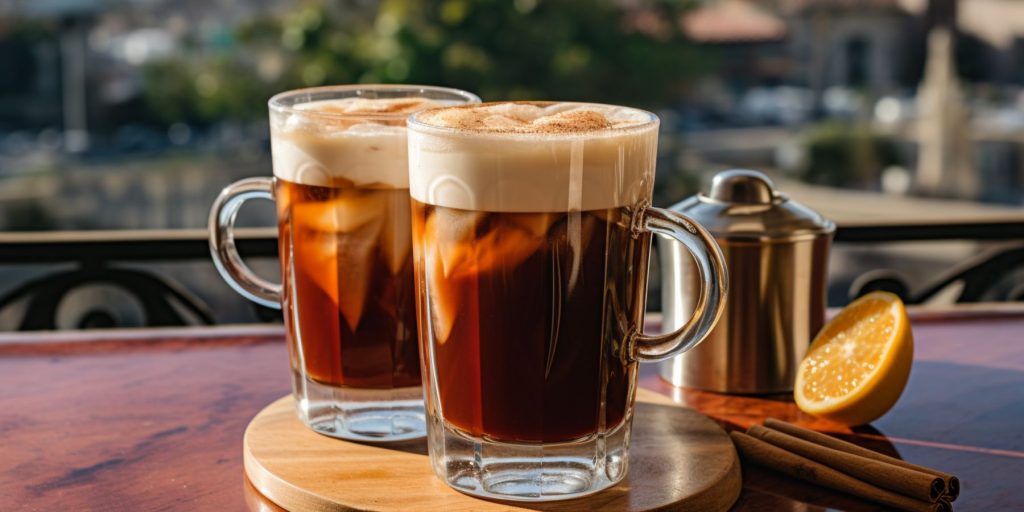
(858,365)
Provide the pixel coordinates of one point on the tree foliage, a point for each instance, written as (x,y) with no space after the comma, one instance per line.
(595,50)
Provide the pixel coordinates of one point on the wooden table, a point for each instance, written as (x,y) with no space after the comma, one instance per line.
(153,419)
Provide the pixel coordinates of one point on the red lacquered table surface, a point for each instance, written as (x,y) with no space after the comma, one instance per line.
(153,419)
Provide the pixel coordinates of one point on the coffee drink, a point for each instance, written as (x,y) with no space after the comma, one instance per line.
(531,245)
(343,213)
(527,287)
(344,223)
(531,230)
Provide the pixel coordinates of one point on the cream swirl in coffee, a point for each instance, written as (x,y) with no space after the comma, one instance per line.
(532,157)
(355,141)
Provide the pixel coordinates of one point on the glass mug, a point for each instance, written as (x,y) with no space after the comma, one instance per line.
(531,236)
(341,188)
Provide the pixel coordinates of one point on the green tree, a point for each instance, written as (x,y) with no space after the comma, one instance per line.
(594,50)
(568,49)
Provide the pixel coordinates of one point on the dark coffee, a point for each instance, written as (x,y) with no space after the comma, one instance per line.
(526,315)
(348,286)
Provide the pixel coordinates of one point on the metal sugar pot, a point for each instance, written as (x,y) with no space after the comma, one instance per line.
(777,254)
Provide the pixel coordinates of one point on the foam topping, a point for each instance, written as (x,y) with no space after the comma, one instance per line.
(341,147)
(538,118)
(368,106)
(483,157)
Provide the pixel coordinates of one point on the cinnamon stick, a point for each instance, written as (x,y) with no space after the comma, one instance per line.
(759,452)
(952,483)
(909,482)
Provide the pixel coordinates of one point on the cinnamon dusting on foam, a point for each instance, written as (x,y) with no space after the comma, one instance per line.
(368,106)
(532,157)
(532,118)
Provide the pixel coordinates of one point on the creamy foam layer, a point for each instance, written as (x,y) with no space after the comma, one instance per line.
(534,118)
(327,143)
(527,157)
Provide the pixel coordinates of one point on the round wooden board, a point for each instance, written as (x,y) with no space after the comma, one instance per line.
(678,459)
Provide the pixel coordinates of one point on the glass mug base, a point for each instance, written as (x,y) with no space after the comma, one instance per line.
(363,415)
(528,472)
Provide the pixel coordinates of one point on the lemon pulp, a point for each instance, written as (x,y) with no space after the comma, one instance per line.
(859,363)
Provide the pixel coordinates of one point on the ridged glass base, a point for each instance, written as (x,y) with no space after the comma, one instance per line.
(527,472)
(365,415)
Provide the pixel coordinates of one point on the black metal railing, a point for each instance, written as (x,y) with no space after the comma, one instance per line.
(127,261)
(987,276)
(127,245)
(992,229)
(123,261)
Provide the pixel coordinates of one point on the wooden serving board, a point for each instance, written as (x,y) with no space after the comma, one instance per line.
(678,459)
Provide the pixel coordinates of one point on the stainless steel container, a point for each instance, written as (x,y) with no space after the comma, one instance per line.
(777,254)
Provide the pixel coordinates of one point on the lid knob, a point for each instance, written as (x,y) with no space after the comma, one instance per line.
(742,186)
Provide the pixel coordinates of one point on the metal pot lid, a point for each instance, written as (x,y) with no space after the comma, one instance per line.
(744,205)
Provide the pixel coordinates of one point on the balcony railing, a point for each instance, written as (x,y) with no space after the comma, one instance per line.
(126,261)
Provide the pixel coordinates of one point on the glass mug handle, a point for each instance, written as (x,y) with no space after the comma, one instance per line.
(710,302)
(222,241)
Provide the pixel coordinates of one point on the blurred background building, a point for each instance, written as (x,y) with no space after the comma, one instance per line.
(133,114)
